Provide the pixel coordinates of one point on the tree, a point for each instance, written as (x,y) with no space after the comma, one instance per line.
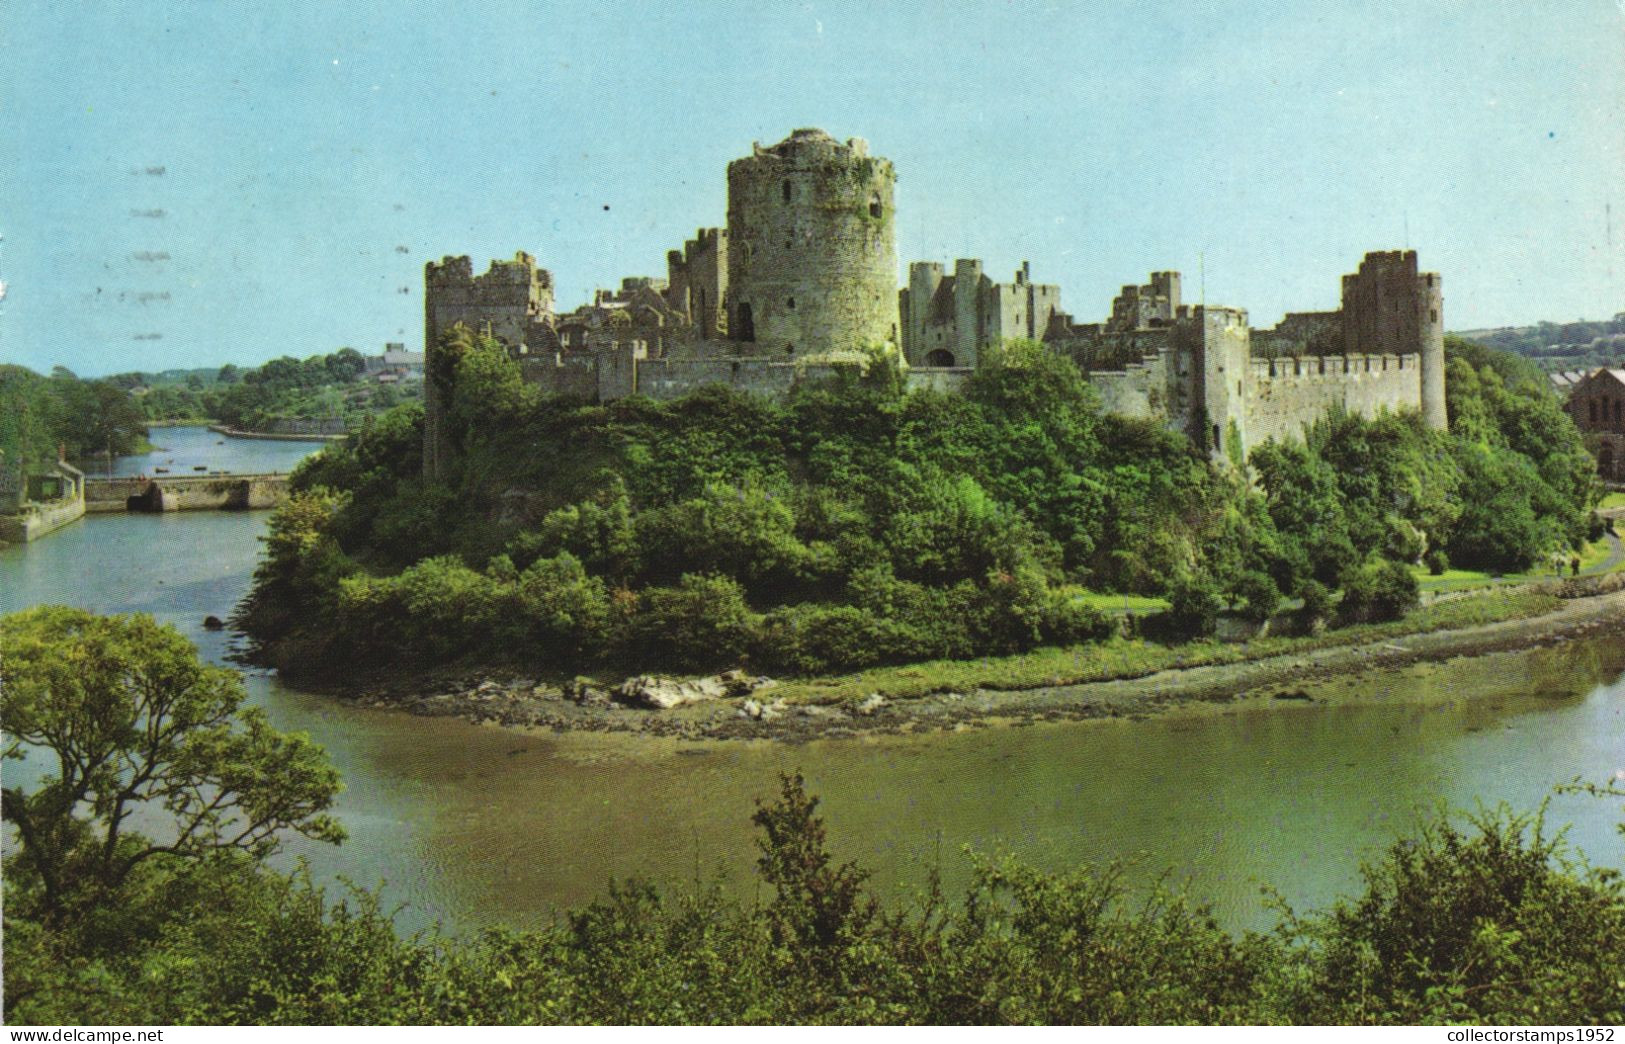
(135,722)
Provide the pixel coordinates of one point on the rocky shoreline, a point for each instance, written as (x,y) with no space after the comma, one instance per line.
(738,706)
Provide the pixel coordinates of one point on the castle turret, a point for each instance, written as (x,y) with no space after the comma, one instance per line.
(1430,320)
(512,301)
(812,258)
(967,311)
(914,307)
(1389,308)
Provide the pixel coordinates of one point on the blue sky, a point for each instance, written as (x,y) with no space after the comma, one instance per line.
(313,156)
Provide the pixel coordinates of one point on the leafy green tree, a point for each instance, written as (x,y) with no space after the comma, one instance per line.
(129,720)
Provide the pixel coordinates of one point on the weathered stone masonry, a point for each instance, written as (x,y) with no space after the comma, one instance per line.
(806,269)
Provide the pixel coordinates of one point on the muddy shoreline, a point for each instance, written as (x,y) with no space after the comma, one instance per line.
(754,714)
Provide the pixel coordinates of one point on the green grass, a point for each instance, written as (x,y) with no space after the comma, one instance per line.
(1595,554)
(1450,579)
(1135,658)
(1106,603)
(1612,500)
(1592,554)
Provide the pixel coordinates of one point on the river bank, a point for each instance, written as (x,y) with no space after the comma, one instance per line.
(473,825)
(269,436)
(737,706)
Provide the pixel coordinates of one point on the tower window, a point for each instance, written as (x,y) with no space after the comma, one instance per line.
(791,303)
(747,326)
(786,189)
(874,204)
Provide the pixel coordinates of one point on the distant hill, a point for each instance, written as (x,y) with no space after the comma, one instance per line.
(1579,345)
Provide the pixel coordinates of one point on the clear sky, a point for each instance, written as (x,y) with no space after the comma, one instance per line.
(193,184)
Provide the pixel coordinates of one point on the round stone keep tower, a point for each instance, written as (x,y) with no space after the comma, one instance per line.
(812,246)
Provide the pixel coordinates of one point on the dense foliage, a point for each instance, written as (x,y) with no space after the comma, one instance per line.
(855,524)
(1484,922)
(318,387)
(40,415)
(1562,346)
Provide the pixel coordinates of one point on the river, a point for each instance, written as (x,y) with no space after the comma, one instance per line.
(470,825)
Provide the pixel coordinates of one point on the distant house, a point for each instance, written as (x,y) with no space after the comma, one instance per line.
(395,361)
(1596,402)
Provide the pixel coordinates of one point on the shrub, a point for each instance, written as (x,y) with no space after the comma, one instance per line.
(1379,590)
(1194,606)
(1258,595)
(1317,600)
(700,624)
(1438,562)
(1492,925)
(816,639)
(564,611)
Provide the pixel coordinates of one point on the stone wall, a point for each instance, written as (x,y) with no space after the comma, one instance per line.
(305,426)
(1093,348)
(512,301)
(674,378)
(1289,395)
(1597,405)
(1301,333)
(945,379)
(1597,402)
(1609,450)
(186,493)
(558,374)
(33,521)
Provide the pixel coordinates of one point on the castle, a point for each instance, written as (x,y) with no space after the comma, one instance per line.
(805,275)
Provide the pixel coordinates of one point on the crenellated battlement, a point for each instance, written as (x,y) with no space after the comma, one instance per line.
(805,271)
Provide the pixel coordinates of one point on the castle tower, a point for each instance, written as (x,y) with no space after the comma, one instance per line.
(914,306)
(1219,341)
(812,257)
(967,311)
(512,301)
(1391,308)
(1430,322)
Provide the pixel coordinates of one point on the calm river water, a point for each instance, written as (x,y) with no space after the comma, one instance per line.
(469,825)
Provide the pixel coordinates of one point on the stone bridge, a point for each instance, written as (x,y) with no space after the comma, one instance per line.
(186,492)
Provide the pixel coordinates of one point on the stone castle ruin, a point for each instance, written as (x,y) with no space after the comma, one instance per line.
(803,281)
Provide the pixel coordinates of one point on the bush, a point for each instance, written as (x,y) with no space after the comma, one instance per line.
(1258,595)
(1194,606)
(1438,562)
(701,624)
(1317,601)
(1067,620)
(1379,590)
(564,611)
(817,639)
(1492,926)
